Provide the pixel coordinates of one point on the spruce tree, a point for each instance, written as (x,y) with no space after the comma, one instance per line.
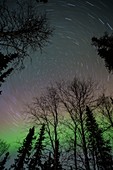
(35,161)
(5,70)
(3,162)
(24,152)
(100,149)
(104,47)
(3,147)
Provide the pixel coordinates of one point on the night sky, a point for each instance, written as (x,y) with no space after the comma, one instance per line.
(69,53)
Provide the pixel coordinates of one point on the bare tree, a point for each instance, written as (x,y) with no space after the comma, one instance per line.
(22,28)
(65,98)
(46,110)
(75,96)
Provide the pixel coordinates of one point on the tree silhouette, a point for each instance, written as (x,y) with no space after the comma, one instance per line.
(100,149)
(35,161)
(21,29)
(30,155)
(3,147)
(24,151)
(2,163)
(75,96)
(5,70)
(105,107)
(65,98)
(104,46)
(46,110)
(57,165)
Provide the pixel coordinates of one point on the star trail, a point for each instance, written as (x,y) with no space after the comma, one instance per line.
(69,52)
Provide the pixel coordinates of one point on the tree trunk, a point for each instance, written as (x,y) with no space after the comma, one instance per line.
(75,145)
(84,144)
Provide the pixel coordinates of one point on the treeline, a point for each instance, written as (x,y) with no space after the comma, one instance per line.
(73,120)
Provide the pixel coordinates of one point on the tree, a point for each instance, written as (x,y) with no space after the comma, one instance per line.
(46,110)
(5,61)
(100,149)
(65,99)
(104,46)
(35,161)
(21,29)
(105,107)
(30,154)
(75,96)
(2,163)
(57,165)
(24,151)
(3,147)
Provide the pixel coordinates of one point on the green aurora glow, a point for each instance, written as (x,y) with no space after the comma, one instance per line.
(15,138)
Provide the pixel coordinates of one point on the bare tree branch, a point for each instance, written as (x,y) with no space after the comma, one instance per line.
(22,28)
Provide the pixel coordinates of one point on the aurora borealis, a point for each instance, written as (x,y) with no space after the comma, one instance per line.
(69,52)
